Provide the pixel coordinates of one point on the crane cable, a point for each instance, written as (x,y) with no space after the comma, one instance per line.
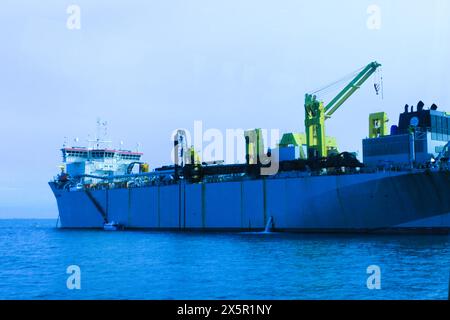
(347,77)
(382,85)
(378,83)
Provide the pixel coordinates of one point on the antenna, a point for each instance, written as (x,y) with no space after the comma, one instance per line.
(101,136)
(105,129)
(97,136)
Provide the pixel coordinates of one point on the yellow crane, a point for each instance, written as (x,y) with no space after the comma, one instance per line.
(316,112)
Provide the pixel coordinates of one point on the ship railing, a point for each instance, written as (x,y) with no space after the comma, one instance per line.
(396,168)
(88,181)
(128,180)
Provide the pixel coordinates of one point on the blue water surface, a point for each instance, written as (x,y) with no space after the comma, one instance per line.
(34,257)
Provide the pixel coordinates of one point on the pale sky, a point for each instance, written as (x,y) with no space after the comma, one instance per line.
(149,67)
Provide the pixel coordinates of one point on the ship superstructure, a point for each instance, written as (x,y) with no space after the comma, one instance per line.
(94,164)
(420,139)
(91,165)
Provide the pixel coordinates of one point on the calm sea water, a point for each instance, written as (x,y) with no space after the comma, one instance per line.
(34,257)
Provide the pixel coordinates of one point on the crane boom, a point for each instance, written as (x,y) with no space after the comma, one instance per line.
(316,112)
(350,89)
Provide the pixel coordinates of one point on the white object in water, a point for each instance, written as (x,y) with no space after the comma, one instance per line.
(112,226)
(269,225)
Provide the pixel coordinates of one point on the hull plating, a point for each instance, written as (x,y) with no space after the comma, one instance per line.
(345,203)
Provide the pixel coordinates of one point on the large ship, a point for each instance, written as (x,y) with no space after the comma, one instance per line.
(401,185)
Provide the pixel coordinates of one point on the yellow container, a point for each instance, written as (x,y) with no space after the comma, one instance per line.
(144,168)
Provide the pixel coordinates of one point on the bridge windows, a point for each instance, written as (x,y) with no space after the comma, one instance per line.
(440,128)
(76,154)
(97,154)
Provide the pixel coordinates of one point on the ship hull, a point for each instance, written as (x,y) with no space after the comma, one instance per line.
(378,202)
